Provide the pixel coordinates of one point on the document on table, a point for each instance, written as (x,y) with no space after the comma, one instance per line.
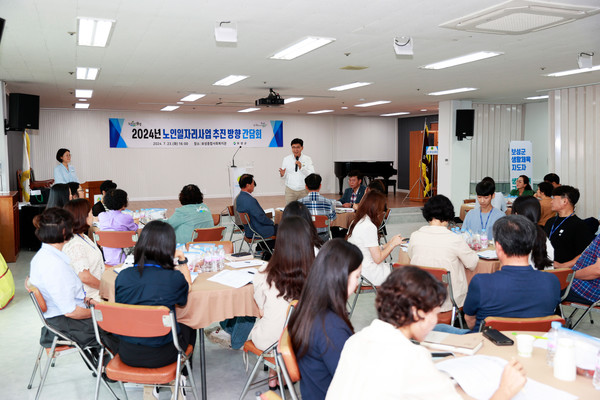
(245,263)
(479,376)
(235,279)
(488,254)
(341,210)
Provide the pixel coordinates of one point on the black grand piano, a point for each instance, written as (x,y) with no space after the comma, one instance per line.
(369,169)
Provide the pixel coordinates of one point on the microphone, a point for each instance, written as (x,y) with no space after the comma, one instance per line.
(297,158)
(233,158)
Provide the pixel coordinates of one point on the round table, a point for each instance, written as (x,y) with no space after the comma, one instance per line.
(536,367)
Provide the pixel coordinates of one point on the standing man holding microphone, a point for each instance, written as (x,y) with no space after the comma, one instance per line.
(294,169)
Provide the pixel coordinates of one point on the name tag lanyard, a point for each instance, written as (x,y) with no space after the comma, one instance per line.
(553,229)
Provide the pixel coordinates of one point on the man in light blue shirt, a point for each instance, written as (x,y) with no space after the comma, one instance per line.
(64,172)
(484,217)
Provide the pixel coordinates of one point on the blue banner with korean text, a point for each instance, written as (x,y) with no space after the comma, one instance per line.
(125,133)
(520,161)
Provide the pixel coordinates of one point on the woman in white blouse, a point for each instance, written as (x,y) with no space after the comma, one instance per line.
(363,234)
(86,257)
(436,246)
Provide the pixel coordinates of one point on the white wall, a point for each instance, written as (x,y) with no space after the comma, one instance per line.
(537,132)
(160,173)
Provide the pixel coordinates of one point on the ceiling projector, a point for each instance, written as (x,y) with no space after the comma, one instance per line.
(273,99)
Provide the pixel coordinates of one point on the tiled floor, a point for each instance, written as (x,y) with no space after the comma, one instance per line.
(70,379)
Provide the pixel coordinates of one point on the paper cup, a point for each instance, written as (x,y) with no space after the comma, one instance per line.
(525,345)
(564,360)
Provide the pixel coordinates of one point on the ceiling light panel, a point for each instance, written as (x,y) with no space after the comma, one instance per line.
(84,93)
(169,108)
(394,114)
(247,110)
(88,74)
(292,100)
(193,97)
(82,105)
(537,97)
(481,55)
(350,86)
(304,46)
(451,91)
(230,80)
(320,112)
(93,31)
(373,103)
(573,72)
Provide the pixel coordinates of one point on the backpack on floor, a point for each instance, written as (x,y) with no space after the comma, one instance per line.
(7,284)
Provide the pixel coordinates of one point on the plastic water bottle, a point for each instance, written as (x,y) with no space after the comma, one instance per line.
(208,261)
(596,380)
(552,340)
(484,239)
(220,258)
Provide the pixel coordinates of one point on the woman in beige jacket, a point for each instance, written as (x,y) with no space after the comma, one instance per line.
(436,246)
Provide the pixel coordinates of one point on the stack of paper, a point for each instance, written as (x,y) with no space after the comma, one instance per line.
(235,279)
(488,254)
(465,344)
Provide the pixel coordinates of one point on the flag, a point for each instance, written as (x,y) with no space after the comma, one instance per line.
(425,164)
(26,175)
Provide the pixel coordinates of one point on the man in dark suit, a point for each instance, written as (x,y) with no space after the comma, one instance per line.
(245,203)
(355,192)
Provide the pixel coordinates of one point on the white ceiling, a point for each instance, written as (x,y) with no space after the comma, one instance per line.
(162,50)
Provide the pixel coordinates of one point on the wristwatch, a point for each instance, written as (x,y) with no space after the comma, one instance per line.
(181,262)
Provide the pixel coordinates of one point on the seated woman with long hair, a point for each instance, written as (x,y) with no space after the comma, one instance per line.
(295,208)
(60,194)
(319,326)
(436,246)
(542,255)
(277,283)
(155,280)
(381,362)
(193,214)
(363,233)
(86,257)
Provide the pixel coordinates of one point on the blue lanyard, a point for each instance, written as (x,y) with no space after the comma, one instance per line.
(148,265)
(487,220)
(553,229)
(93,246)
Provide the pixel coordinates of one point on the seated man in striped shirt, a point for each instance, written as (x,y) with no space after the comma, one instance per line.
(317,204)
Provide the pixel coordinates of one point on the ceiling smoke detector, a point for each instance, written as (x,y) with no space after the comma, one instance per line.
(517,17)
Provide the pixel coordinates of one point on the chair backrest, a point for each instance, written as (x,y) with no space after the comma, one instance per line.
(202,234)
(216,219)
(116,239)
(522,324)
(227,245)
(284,347)
(564,275)
(440,274)
(39,299)
(150,321)
(320,221)
(245,218)
(385,218)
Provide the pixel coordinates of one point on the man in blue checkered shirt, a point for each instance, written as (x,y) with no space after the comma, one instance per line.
(317,204)
(586,285)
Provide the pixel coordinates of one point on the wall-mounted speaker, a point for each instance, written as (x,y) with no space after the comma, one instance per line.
(23,112)
(1,28)
(465,123)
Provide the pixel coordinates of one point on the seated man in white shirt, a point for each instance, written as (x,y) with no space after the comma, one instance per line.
(294,169)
